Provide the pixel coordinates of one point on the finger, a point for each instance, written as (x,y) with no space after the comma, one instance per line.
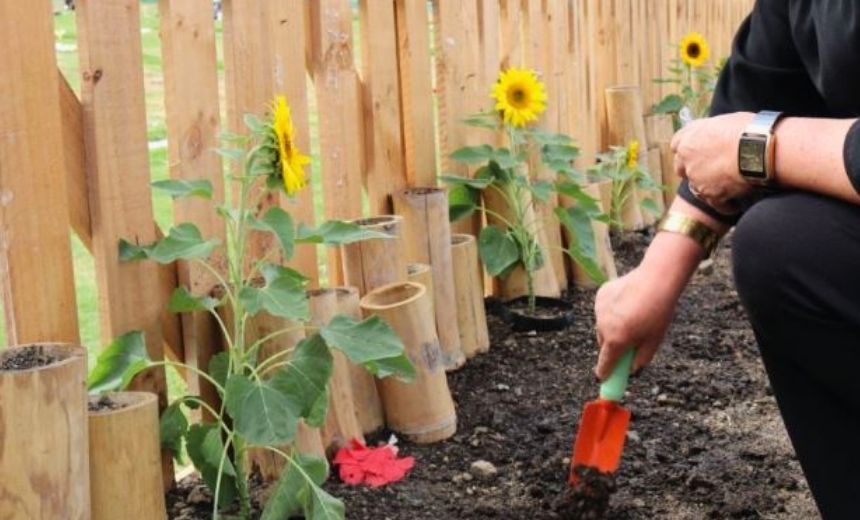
(610,353)
(644,355)
(680,169)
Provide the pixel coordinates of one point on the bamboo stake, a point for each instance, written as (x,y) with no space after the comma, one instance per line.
(423,410)
(469,289)
(372,263)
(43,419)
(341,423)
(124,448)
(427,237)
(368,406)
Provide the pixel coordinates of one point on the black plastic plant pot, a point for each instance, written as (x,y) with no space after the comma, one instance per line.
(551,314)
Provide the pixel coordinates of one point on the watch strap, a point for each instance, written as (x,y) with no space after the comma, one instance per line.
(764,122)
(674,222)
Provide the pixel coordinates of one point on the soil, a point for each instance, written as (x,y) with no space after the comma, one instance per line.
(27,358)
(705,441)
(103,404)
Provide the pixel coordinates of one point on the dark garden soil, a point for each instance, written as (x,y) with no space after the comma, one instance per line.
(27,358)
(705,440)
(103,404)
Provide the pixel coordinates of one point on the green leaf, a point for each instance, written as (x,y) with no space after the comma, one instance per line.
(261,414)
(304,380)
(669,104)
(582,247)
(371,343)
(550,138)
(205,448)
(542,190)
(185,188)
(650,206)
(254,123)
(462,202)
(336,232)
(173,427)
(119,363)
(559,152)
(298,491)
(476,183)
(219,368)
(583,200)
(182,242)
(473,154)
(489,121)
(233,154)
(498,250)
(279,223)
(183,301)
(283,294)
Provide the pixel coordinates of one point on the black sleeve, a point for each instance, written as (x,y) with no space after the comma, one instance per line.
(764,72)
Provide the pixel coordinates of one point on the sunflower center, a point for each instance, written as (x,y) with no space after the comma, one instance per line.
(518,97)
(694,50)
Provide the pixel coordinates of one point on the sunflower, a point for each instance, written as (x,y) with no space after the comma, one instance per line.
(291,161)
(633,154)
(520,96)
(695,50)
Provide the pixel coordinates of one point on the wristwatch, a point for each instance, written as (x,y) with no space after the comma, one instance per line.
(756,152)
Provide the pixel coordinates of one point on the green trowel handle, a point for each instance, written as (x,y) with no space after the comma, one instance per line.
(613,388)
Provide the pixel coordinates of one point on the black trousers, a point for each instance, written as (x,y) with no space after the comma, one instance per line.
(797,269)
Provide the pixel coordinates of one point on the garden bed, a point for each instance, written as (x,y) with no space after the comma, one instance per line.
(706,440)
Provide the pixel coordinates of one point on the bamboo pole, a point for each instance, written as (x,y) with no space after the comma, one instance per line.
(125,448)
(427,239)
(368,406)
(341,423)
(625,124)
(600,191)
(423,410)
(375,262)
(469,289)
(514,284)
(44,462)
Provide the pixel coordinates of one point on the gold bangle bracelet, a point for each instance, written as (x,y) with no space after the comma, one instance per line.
(674,222)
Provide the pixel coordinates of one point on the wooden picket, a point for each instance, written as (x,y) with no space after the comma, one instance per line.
(385,120)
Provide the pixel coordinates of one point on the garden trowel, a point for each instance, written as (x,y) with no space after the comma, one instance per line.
(603,426)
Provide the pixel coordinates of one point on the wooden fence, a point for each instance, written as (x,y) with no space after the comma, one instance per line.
(386,119)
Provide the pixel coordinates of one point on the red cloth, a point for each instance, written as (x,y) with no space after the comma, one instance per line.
(375,467)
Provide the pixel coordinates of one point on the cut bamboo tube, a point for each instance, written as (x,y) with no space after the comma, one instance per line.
(341,424)
(600,191)
(368,406)
(661,131)
(625,124)
(308,440)
(124,449)
(469,288)
(427,239)
(514,284)
(372,263)
(423,410)
(421,273)
(44,443)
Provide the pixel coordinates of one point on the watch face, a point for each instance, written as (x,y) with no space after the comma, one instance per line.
(751,155)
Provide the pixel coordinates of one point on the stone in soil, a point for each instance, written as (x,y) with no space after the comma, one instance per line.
(483,469)
(27,358)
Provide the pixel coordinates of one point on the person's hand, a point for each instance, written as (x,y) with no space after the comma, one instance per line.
(634,310)
(706,153)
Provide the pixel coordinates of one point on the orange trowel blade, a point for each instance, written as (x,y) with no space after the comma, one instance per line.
(600,439)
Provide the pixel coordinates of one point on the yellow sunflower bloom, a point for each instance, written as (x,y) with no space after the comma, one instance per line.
(633,154)
(520,96)
(291,161)
(695,50)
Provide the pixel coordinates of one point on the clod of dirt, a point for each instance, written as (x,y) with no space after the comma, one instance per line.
(27,358)
(483,469)
(103,403)
(589,499)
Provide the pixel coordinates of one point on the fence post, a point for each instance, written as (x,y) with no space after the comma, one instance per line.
(118,176)
(35,253)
